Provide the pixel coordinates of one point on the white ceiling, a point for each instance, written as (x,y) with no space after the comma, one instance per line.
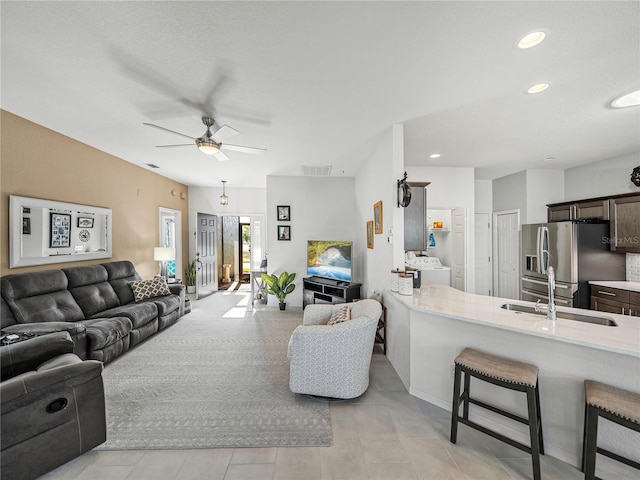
(316,83)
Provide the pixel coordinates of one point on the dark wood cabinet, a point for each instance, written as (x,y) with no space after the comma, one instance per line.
(615,300)
(582,210)
(625,224)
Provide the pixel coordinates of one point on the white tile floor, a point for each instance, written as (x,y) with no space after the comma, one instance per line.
(386,434)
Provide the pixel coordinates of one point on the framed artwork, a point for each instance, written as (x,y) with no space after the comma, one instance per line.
(26,226)
(377,217)
(60,229)
(284,232)
(284,213)
(85,222)
(370,234)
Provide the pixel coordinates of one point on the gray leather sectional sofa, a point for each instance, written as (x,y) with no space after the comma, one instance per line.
(94,304)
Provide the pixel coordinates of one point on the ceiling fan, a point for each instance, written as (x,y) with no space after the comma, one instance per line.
(211,143)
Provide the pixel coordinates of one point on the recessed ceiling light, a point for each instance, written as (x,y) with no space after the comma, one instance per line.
(549,159)
(434,155)
(532,39)
(538,87)
(631,99)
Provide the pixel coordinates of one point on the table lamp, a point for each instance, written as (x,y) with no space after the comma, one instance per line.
(163,255)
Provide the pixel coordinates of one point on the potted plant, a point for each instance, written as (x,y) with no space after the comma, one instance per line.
(280,286)
(190,277)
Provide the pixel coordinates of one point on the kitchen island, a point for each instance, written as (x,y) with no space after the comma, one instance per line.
(428,329)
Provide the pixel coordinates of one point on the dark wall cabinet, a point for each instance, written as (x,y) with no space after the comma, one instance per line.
(615,300)
(586,210)
(625,224)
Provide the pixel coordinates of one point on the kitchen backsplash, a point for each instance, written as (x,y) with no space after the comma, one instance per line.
(633,267)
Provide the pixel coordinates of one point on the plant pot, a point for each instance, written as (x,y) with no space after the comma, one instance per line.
(282,306)
(191,289)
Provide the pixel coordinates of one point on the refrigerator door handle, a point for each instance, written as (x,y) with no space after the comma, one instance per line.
(539,249)
(544,250)
(559,301)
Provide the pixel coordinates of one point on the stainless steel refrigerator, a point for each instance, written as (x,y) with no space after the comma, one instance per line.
(578,252)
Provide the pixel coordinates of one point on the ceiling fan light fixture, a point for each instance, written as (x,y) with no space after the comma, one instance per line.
(207,146)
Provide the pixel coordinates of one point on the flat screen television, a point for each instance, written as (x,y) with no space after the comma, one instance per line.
(329,259)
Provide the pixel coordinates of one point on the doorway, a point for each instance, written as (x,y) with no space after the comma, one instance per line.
(244,266)
(484,272)
(170,235)
(239,241)
(506,254)
(206,256)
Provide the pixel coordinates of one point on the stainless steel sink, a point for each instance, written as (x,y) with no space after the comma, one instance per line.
(514,307)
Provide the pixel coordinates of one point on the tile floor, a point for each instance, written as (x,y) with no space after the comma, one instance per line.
(386,434)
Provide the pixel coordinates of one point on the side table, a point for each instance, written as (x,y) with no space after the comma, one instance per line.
(381,330)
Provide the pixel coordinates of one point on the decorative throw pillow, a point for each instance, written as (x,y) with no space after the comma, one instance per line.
(340,315)
(149,288)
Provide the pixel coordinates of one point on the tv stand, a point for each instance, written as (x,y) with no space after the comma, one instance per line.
(329,291)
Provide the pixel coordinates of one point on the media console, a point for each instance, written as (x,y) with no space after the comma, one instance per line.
(326,290)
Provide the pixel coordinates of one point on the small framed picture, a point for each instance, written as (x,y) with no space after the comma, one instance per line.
(284,213)
(85,222)
(26,226)
(377,217)
(284,232)
(370,234)
(60,230)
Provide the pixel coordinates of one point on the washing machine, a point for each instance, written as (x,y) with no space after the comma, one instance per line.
(431,269)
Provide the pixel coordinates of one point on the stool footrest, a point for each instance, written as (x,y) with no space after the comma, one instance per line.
(492,408)
(494,434)
(615,456)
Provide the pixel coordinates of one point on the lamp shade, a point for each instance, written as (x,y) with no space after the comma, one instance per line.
(162,254)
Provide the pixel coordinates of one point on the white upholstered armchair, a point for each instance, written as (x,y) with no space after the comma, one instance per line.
(333,360)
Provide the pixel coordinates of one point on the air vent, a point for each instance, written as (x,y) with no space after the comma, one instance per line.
(316,170)
(152,165)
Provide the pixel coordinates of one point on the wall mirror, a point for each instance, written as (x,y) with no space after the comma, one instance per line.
(44,231)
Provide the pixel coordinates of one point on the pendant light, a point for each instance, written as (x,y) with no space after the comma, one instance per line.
(224,200)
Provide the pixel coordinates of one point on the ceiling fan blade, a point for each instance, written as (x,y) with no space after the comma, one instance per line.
(224,132)
(177,145)
(221,156)
(167,130)
(240,148)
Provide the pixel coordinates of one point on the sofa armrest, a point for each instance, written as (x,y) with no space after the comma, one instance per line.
(78,332)
(21,357)
(67,368)
(179,290)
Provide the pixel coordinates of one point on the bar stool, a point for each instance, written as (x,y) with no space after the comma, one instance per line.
(506,373)
(615,404)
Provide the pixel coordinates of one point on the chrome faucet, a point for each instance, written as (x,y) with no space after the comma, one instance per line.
(550,308)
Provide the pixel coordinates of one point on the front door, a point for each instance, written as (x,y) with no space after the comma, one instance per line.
(206,255)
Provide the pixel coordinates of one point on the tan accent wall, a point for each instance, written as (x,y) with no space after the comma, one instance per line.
(56,167)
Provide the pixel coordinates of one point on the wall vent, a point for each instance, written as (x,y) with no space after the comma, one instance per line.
(152,165)
(316,170)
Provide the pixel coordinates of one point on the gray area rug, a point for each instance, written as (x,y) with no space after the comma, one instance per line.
(217,378)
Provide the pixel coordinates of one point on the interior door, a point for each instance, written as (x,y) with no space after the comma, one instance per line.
(459,256)
(483,253)
(206,255)
(170,230)
(506,254)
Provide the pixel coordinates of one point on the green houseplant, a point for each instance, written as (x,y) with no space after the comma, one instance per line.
(280,286)
(190,277)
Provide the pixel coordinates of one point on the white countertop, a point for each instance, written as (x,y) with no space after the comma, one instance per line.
(449,302)
(631,286)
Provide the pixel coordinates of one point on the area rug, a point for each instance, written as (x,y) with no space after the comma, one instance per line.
(217,378)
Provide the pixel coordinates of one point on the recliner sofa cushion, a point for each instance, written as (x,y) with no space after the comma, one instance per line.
(40,297)
(139,313)
(90,289)
(102,332)
(165,304)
